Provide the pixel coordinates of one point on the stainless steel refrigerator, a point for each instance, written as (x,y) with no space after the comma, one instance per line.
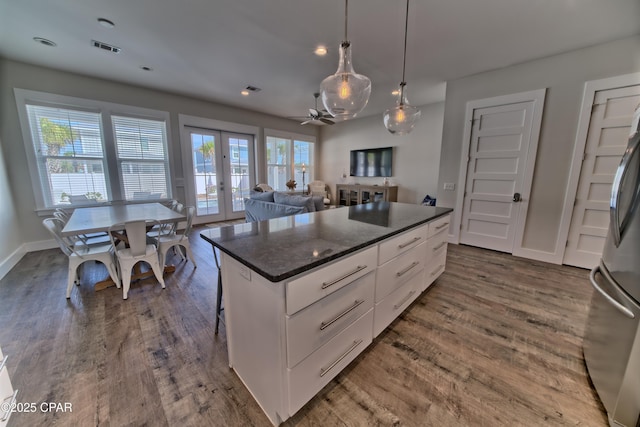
(612,338)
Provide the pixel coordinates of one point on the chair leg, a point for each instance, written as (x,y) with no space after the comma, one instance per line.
(190,257)
(126,281)
(71,279)
(218,301)
(155,266)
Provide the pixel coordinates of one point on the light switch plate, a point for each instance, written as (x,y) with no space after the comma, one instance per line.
(449,186)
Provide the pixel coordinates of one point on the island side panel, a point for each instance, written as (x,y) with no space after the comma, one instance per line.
(254,320)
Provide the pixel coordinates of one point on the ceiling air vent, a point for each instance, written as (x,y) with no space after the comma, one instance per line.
(105,46)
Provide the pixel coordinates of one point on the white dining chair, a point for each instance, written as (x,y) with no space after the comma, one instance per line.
(98,238)
(166,229)
(137,249)
(168,241)
(79,253)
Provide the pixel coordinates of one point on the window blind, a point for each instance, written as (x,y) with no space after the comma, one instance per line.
(69,149)
(141,148)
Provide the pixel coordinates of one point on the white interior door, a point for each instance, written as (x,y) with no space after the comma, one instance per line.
(495,175)
(607,138)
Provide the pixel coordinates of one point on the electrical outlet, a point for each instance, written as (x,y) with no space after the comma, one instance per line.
(449,186)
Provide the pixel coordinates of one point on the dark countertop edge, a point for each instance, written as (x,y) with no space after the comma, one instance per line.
(307,267)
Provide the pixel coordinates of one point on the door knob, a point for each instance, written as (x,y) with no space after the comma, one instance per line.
(516,197)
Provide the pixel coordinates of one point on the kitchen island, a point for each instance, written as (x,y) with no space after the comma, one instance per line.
(305,294)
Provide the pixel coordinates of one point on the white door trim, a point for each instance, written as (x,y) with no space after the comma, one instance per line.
(590,89)
(537,96)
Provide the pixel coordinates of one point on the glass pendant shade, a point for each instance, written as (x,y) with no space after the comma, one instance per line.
(345,93)
(401,119)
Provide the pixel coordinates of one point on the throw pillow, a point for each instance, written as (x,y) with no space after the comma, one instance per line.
(318,201)
(265,196)
(295,200)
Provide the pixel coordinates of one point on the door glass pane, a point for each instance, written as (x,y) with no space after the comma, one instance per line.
(239,167)
(204,174)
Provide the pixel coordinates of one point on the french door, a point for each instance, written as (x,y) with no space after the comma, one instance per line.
(221,173)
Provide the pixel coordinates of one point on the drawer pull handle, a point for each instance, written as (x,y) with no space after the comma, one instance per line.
(439,246)
(442,226)
(324,371)
(437,270)
(12,401)
(406,270)
(325,285)
(405,299)
(404,245)
(324,325)
(4,362)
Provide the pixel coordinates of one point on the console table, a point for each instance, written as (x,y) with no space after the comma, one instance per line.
(355,194)
(305,294)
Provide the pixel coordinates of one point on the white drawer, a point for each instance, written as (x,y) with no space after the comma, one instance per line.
(396,302)
(402,243)
(437,244)
(319,283)
(394,273)
(313,373)
(435,267)
(312,327)
(6,391)
(440,224)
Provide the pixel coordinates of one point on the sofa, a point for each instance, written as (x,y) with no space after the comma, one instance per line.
(260,206)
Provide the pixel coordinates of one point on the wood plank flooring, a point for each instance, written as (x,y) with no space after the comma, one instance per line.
(497,341)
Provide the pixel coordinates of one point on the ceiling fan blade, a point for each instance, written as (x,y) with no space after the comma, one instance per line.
(327,121)
(306,122)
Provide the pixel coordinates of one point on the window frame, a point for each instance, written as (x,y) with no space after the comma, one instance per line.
(291,167)
(106,110)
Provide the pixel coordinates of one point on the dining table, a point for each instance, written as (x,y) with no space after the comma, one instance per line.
(96,219)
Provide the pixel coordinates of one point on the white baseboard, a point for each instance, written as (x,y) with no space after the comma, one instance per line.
(9,262)
(534,254)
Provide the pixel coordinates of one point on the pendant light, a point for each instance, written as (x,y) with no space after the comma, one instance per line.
(345,93)
(400,119)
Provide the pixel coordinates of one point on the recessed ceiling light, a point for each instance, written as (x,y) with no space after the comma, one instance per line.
(245,93)
(45,42)
(106,23)
(145,68)
(320,50)
(395,92)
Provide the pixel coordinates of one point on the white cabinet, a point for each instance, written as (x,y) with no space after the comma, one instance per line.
(288,339)
(7,394)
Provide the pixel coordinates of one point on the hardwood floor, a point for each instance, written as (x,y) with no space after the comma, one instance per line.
(497,341)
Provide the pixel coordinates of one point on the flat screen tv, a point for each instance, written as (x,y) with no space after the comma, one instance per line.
(371,162)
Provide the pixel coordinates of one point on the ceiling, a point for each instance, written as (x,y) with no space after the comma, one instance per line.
(212,49)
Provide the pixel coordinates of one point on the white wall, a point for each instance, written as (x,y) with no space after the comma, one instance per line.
(564,77)
(416,156)
(27,228)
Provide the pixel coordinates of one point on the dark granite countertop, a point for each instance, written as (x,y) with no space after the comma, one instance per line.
(283,247)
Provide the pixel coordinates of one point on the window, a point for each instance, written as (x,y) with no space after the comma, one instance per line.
(142,157)
(287,158)
(82,152)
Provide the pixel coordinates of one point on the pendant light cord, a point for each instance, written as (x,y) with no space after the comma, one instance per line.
(345,42)
(404,56)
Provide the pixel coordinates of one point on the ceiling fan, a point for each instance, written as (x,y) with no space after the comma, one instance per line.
(316,115)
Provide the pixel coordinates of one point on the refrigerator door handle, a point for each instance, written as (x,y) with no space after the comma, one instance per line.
(592,277)
(615,222)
